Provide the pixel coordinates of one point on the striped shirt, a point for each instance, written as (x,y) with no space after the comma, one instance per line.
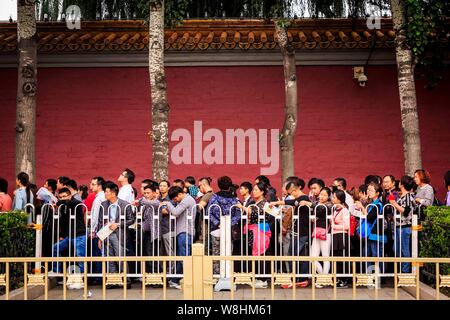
(407,202)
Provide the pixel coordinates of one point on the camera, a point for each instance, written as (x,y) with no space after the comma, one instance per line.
(360,76)
(362,79)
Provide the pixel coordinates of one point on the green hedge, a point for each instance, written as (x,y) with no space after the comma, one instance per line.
(16,240)
(435,242)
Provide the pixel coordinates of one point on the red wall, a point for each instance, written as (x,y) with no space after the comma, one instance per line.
(94,121)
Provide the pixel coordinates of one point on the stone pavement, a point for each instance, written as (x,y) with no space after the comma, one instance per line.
(242,293)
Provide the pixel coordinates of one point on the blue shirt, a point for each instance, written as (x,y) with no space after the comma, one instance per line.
(113,212)
(20,199)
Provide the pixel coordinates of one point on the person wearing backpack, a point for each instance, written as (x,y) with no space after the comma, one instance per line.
(221,204)
(371,228)
(405,206)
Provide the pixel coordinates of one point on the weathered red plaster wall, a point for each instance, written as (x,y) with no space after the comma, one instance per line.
(94,121)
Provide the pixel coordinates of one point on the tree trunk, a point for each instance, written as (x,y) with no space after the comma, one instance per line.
(407,90)
(41,10)
(55,11)
(160,107)
(26,88)
(290,109)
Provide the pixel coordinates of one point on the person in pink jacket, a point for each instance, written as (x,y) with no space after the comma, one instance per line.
(340,225)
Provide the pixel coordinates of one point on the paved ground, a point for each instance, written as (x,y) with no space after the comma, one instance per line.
(242,293)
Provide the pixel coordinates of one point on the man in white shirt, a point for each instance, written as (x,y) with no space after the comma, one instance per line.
(126,192)
(341,184)
(97,186)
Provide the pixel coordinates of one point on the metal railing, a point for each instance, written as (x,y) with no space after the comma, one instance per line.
(218,238)
(198,279)
(117,279)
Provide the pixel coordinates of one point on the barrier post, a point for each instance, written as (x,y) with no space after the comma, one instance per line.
(414,244)
(224,282)
(38,253)
(7,281)
(193,281)
(208,282)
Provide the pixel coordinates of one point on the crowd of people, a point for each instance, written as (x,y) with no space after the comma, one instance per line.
(343,217)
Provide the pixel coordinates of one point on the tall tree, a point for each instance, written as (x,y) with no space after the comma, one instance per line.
(282,13)
(158,86)
(290,107)
(26,88)
(407,90)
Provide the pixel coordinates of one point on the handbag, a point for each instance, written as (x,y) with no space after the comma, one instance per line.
(353,225)
(365,228)
(319,233)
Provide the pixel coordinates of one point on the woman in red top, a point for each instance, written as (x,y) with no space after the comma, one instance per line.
(5,199)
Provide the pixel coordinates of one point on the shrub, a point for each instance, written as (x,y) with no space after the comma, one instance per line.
(435,241)
(16,240)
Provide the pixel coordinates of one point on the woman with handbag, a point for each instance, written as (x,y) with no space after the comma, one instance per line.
(258,232)
(373,230)
(340,225)
(321,238)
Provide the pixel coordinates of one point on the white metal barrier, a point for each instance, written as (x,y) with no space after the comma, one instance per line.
(258,233)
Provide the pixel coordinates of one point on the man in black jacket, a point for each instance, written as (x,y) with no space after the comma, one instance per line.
(72,232)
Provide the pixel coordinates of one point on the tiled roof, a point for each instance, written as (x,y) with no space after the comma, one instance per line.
(125,36)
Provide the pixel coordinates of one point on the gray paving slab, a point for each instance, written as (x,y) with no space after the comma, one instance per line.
(242,293)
